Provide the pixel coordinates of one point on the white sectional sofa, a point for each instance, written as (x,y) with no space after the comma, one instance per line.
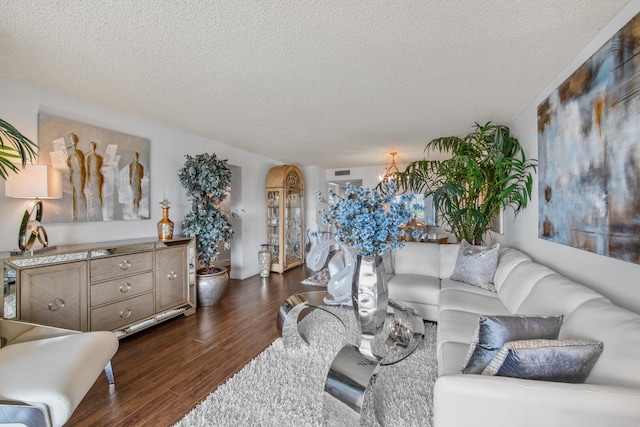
(420,277)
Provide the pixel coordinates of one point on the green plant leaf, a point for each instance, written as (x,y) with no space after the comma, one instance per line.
(487,171)
(14,146)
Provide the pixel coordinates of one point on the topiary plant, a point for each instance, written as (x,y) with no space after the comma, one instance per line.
(207,180)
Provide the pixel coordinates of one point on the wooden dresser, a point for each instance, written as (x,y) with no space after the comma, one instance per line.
(122,286)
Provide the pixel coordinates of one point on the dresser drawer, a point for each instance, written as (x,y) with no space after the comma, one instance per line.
(118,266)
(119,314)
(117,289)
(55,295)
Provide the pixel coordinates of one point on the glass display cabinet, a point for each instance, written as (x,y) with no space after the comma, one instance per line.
(285,189)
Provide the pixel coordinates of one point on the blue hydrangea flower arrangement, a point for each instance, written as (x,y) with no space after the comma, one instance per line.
(367,219)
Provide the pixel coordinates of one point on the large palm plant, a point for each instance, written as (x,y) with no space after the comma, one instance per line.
(487,172)
(14,146)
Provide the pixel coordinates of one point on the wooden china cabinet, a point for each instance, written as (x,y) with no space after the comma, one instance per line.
(285,214)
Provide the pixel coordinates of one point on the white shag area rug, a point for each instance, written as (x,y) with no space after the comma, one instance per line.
(285,386)
(319,278)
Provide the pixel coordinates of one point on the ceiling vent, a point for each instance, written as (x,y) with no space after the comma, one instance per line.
(343,173)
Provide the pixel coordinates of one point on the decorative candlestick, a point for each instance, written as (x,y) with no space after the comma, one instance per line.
(165,225)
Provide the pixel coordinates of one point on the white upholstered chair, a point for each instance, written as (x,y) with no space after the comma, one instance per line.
(45,372)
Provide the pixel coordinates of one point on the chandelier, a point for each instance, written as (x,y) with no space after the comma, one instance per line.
(391,173)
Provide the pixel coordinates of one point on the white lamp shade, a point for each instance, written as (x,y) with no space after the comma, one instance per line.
(41,181)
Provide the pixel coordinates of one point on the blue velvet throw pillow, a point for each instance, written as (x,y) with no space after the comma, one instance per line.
(568,361)
(493,332)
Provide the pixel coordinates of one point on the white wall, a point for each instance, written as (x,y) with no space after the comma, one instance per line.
(20,106)
(314,180)
(617,280)
(370,175)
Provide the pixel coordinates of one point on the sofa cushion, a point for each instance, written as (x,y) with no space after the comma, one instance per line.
(418,292)
(458,326)
(493,332)
(450,357)
(476,265)
(567,361)
(446,284)
(457,299)
(417,258)
(507,260)
(448,257)
(617,329)
(519,283)
(414,287)
(555,294)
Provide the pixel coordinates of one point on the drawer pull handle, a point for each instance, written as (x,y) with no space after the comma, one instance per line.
(125,312)
(56,304)
(124,264)
(172,275)
(125,287)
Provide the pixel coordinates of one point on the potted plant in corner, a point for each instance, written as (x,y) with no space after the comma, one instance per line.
(487,172)
(207,180)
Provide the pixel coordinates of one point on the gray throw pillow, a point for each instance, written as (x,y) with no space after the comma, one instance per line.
(476,265)
(493,332)
(568,361)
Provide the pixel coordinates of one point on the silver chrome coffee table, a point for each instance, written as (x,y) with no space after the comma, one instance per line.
(352,372)
(289,316)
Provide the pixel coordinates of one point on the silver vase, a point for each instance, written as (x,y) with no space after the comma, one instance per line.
(354,368)
(264,260)
(370,301)
(211,287)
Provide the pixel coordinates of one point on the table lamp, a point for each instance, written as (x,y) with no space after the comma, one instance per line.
(33,182)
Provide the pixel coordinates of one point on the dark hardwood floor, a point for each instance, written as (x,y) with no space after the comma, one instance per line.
(163,372)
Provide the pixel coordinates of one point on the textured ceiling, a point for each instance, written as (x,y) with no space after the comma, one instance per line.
(330,83)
